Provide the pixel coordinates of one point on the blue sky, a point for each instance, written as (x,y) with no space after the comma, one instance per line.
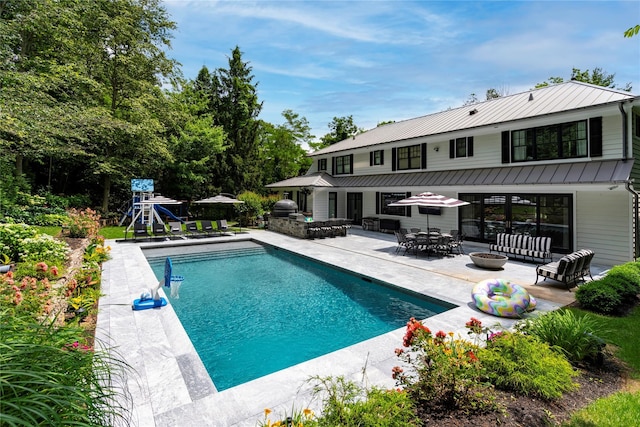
(394,60)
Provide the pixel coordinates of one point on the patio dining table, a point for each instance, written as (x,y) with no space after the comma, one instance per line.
(428,242)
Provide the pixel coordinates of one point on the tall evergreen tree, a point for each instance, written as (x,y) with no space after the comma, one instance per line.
(236,109)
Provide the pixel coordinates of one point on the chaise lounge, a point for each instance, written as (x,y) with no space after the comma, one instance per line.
(569,269)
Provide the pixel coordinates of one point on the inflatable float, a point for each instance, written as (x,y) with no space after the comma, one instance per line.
(502,298)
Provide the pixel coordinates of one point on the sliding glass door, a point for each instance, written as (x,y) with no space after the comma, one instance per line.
(518,213)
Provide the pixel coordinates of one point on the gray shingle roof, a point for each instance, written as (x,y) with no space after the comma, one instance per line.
(562,97)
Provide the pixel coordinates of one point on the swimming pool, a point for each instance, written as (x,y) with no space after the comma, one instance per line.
(252,310)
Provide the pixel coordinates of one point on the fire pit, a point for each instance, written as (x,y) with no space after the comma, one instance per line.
(488,260)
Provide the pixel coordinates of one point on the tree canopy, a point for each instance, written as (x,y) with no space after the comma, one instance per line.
(597,77)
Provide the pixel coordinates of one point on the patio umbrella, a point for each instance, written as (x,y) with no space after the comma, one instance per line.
(220,199)
(430,200)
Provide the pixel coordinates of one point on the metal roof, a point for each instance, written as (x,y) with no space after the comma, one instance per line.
(572,95)
(604,171)
(317,179)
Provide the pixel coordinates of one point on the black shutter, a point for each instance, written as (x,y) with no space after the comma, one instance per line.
(452,148)
(470,146)
(333,165)
(377,202)
(408,208)
(351,163)
(394,163)
(371,158)
(505,147)
(423,156)
(595,136)
(382,157)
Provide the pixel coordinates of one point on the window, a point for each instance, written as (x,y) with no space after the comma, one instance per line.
(387,198)
(461,147)
(322,164)
(333,204)
(409,157)
(376,158)
(342,165)
(561,141)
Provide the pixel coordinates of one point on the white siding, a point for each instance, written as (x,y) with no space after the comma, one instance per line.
(320,204)
(603,221)
(612,137)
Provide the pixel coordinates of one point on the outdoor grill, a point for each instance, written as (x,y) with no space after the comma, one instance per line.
(283,208)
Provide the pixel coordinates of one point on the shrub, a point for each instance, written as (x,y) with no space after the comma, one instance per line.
(347,404)
(49,377)
(83,223)
(523,364)
(598,296)
(50,219)
(445,372)
(11,238)
(576,336)
(251,208)
(43,247)
(627,277)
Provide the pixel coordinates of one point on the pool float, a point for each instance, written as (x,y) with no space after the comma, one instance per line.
(502,298)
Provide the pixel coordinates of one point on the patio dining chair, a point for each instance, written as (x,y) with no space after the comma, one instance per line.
(456,242)
(403,242)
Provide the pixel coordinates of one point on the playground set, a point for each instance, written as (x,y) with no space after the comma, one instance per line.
(146,207)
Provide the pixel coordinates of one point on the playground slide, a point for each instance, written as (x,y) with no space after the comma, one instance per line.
(167,212)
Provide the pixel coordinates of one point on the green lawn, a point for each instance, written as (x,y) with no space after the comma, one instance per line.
(623,408)
(624,334)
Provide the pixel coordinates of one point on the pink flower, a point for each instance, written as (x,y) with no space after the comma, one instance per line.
(42,266)
(54,270)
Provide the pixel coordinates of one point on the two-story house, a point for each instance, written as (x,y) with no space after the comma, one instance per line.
(556,161)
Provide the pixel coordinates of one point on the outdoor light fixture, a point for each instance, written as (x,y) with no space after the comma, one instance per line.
(436,148)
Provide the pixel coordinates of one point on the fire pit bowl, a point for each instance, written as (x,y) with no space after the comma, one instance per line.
(488,260)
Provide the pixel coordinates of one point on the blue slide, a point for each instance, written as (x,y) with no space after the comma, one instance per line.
(167,212)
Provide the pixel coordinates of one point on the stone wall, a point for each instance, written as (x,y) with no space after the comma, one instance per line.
(290,227)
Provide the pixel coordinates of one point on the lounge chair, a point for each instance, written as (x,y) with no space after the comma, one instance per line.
(222,226)
(175,229)
(140,231)
(193,230)
(207,227)
(158,229)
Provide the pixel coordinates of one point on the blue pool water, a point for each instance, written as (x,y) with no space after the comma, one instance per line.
(261,310)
